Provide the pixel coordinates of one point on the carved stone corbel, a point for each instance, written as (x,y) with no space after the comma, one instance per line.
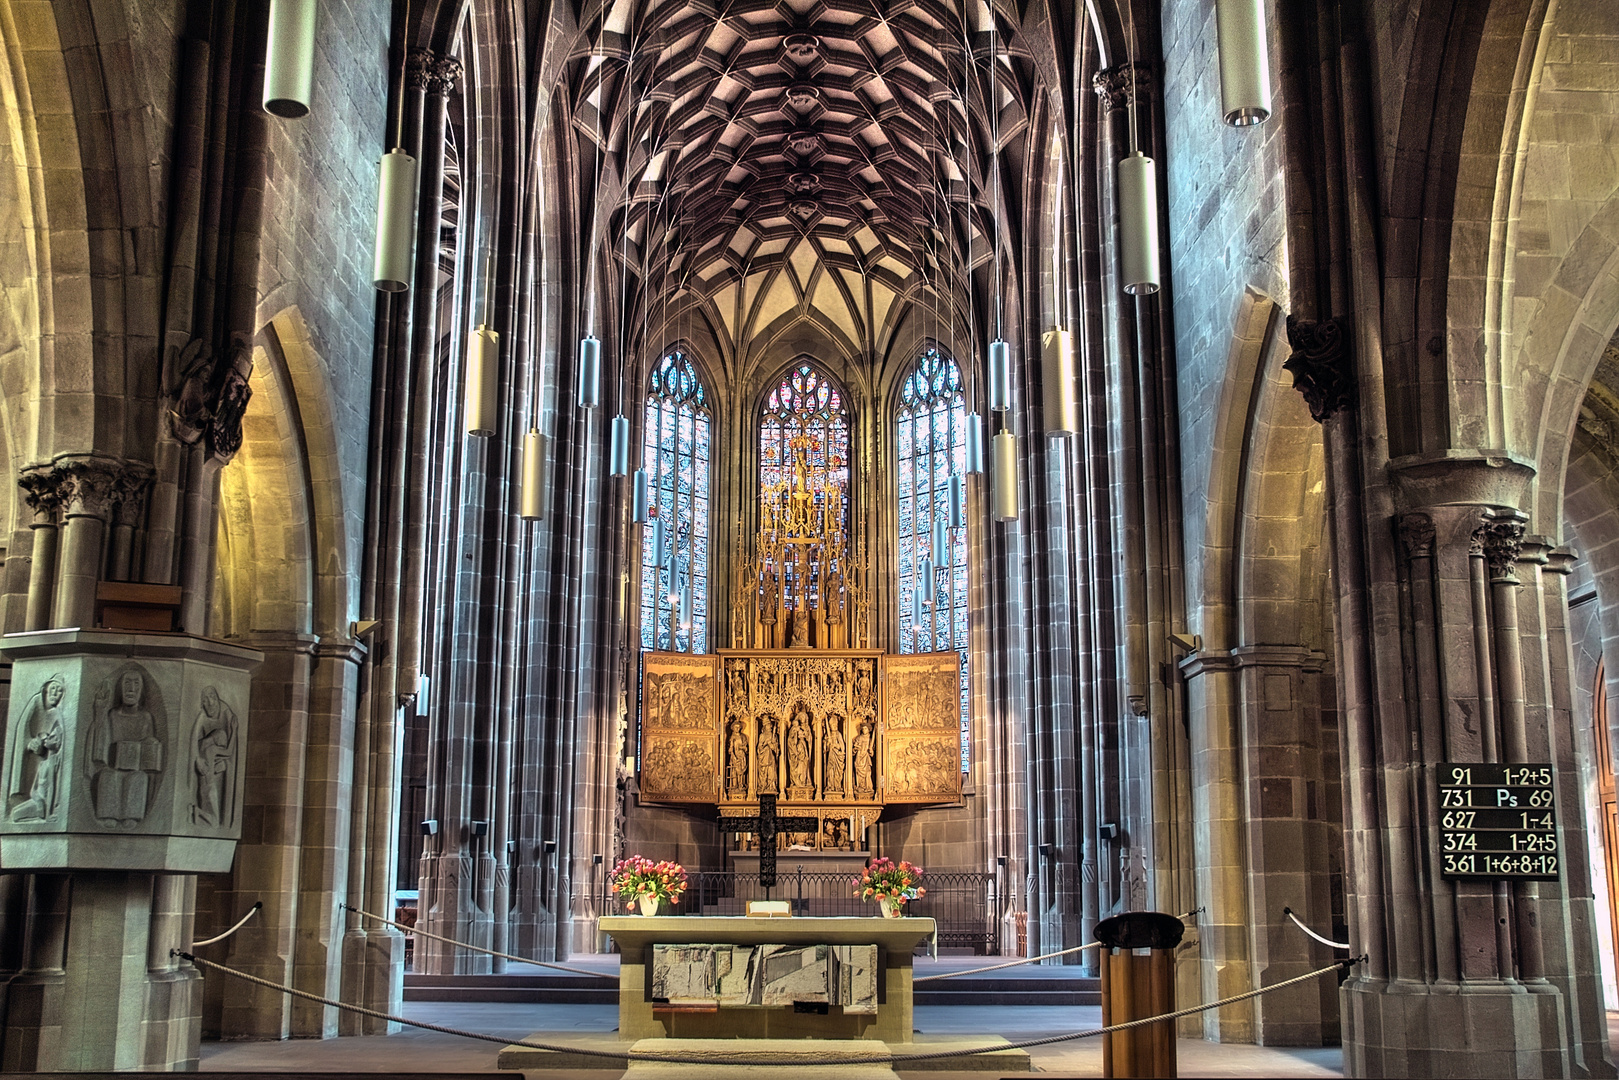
(1117,85)
(1320,364)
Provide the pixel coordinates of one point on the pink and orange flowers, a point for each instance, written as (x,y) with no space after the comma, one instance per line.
(637,876)
(883,879)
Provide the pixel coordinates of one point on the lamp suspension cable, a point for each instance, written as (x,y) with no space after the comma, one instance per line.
(1137,196)
(975,421)
(395,252)
(483,362)
(619,449)
(590,349)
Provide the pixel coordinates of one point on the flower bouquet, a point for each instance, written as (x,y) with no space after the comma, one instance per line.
(644,883)
(890,884)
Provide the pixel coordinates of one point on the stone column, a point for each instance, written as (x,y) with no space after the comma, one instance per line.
(39,488)
(86,491)
(1456,982)
(129,507)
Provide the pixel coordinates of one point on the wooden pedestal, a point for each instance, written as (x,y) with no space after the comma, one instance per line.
(1136,985)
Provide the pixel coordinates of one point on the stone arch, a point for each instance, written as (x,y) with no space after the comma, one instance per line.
(1533,288)
(1262,728)
(44,243)
(265,567)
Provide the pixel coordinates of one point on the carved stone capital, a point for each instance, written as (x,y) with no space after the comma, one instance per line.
(38,483)
(225,427)
(432,73)
(1502,541)
(129,494)
(86,484)
(1320,364)
(1417,534)
(1116,86)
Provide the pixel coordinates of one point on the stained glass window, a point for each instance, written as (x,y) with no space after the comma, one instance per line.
(932,431)
(675,453)
(805,403)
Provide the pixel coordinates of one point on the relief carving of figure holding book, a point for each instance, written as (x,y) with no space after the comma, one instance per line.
(125,758)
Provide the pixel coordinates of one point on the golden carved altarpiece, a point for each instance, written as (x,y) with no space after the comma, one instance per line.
(836,733)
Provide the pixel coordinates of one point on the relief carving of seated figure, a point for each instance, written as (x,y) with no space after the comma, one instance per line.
(124,753)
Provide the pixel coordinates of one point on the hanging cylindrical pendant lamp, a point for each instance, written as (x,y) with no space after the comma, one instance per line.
(688,600)
(975,443)
(483,369)
(657,542)
(289,58)
(1057,382)
(924,580)
(396,222)
(1003,481)
(638,505)
(1138,224)
(1000,376)
(533,466)
(958,498)
(618,458)
(1244,62)
(590,372)
(941,542)
(916,606)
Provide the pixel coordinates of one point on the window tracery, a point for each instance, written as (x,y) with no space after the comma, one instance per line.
(931,432)
(676,445)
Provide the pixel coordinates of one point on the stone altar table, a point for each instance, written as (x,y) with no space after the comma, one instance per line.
(639,1018)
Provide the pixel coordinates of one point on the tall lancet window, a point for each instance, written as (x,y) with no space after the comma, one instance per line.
(932,433)
(675,454)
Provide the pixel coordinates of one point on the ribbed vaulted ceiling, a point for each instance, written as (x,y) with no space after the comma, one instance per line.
(778,158)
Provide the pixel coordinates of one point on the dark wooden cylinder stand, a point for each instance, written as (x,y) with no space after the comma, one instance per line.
(1136,985)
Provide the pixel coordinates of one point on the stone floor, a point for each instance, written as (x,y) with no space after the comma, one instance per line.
(418,1051)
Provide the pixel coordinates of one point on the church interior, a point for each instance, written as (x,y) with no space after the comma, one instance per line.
(1123,456)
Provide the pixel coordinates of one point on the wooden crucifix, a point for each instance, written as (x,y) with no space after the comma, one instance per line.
(766,825)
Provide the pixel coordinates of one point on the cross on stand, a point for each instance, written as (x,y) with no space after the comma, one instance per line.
(766,825)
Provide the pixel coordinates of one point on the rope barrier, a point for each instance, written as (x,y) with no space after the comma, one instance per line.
(216,939)
(1022,960)
(1009,964)
(886,1059)
(419,932)
(604,975)
(1325,941)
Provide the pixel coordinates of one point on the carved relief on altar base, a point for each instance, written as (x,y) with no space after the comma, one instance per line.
(681,743)
(921,746)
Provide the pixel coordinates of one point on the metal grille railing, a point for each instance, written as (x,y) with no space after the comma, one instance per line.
(966,906)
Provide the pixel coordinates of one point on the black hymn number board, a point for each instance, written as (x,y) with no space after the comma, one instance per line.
(766,825)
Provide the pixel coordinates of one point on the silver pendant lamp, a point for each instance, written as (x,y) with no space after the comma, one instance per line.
(1244,62)
(289,58)
(958,495)
(638,504)
(590,372)
(1138,224)
(941,542)
(975,443)
(533,473)
(1000,376)
(924,579)
(396,222)
(1003,481)
(619,451)
(1057,382)
(483,369)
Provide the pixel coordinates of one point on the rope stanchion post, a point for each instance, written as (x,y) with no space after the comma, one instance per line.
(1136,987)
